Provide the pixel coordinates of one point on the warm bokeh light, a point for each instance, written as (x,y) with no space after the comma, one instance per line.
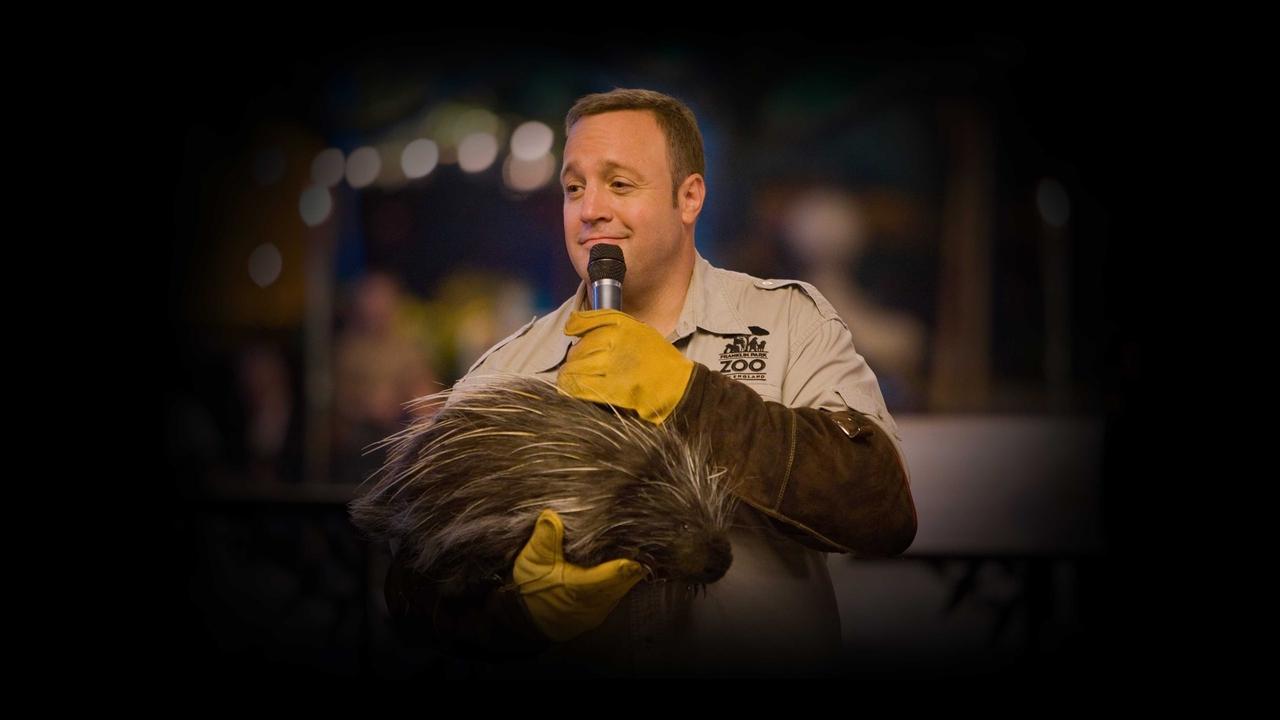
(315,205)
(1055,206)
(528,175)
(419,158)
(265,264)
(477,152)
(363,167)
(328,167)
(531,140)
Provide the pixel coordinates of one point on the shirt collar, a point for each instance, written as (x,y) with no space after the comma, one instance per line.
(707,305)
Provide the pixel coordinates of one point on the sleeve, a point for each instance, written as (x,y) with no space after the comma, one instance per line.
(832,477)
(828,373)
(488,622)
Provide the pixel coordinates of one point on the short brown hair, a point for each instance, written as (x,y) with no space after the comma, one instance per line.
(684,140)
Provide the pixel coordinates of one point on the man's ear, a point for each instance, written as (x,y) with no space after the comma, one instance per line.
(692,193)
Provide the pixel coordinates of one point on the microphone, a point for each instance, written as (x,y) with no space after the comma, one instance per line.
(606,268)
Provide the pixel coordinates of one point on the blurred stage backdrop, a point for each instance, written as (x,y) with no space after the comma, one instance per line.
(354,224)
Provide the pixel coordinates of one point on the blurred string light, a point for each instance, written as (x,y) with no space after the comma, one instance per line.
(265,264)
(476,120)
(452,123)
(440,124)
(268,166)
(451,132)
(528,175)
(315,205)
(363,167)
(1054,205)
(531,140)
(328,167)
(477,151)
(419,158)
(391,175)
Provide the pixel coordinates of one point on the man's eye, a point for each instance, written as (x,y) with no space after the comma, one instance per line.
(615,183)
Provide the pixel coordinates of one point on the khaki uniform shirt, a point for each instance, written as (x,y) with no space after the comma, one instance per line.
(775,610)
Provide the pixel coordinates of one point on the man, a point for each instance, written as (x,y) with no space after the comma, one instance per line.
(765,368)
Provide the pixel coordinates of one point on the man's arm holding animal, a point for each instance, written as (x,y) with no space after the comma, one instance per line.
(831,477)
(832,480)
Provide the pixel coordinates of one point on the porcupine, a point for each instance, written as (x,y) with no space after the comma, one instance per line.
(462,490)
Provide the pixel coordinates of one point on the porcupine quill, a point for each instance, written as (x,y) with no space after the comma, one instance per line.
(462,490)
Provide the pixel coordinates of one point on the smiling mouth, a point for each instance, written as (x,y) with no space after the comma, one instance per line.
(591,241)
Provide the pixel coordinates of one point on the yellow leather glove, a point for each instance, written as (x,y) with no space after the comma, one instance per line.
(623,362)
(564,599)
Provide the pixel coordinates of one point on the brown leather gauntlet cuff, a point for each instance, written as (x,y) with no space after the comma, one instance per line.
(831,481)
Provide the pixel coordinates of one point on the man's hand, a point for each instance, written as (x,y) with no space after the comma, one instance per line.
(623,362)
(564,599)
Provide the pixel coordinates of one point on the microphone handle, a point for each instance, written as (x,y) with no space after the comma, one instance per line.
(606,294)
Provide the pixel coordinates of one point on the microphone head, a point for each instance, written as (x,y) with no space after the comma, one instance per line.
(606,263)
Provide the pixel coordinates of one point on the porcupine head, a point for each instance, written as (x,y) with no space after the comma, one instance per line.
(462,489)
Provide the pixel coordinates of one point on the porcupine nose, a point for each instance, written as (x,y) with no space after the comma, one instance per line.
(714,562)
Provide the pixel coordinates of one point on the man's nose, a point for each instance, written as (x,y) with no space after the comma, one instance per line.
(596,204)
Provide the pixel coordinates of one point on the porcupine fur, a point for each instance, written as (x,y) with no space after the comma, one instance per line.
(462,489)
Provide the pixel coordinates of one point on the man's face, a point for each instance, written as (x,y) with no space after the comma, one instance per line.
(617,188)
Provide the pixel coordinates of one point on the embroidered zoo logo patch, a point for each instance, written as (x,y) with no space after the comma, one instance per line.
(745,358)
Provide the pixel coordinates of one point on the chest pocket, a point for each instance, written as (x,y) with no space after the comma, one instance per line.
(752,359)
(780,353)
